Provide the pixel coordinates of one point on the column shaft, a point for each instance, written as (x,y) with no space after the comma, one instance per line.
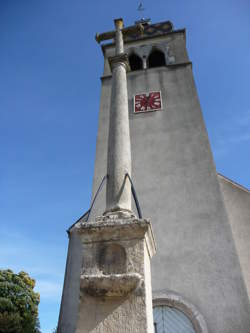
(119,47)
(119,151)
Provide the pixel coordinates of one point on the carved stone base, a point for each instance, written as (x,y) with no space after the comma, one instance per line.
(115,280)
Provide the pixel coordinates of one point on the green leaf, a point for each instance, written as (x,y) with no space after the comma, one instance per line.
(18,303)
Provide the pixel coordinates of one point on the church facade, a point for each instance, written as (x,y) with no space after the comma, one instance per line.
(201,220)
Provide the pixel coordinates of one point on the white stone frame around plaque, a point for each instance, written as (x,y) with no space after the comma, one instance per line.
(140,93)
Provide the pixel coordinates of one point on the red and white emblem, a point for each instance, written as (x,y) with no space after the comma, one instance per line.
(147,102)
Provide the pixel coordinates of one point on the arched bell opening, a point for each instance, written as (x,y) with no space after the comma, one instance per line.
(135,62)
(156,59)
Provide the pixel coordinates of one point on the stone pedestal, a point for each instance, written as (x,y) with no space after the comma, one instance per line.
(115,282)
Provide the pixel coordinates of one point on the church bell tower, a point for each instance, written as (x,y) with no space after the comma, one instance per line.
(197,282)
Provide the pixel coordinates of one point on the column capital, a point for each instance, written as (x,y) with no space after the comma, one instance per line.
(119,23)
(120,59)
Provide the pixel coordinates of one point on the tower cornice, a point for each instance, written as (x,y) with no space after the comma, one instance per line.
(144,37)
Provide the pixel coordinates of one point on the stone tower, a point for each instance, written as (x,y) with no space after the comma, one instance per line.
(196,266)
(197,279)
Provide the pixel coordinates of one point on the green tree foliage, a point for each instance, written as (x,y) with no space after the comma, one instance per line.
(18,303)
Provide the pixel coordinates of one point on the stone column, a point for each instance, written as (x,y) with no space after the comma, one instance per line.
(107,286)
(118,198)
(119,46)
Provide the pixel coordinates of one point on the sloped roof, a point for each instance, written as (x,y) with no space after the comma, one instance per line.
(233,183)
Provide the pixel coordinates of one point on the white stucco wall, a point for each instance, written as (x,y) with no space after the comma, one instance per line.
(237,202)
(176,182)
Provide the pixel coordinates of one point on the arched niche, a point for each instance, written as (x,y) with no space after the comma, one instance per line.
(156,59)
(112,259)
(135,62)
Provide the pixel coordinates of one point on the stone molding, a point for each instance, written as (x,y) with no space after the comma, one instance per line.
(166,67)
(125,229)
(119,60)
(115,214)
(143,37)
(111,285)
(173,299)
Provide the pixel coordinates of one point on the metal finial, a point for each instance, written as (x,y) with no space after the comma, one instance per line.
(141,9)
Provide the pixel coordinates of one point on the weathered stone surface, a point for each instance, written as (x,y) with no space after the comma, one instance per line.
(113,315)
(118,196)
(115,276)
(117,60)
(112,259)
(119,151)
(108,289)
(117,285)
(117,229)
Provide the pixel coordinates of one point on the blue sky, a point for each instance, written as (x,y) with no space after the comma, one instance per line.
(50,66)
